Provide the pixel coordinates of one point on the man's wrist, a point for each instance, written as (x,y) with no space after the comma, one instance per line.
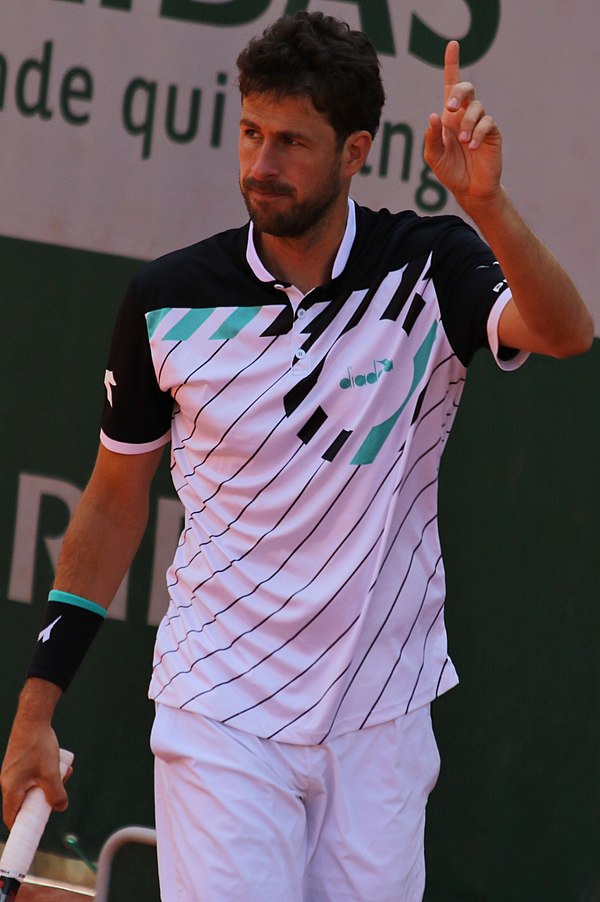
(70,626)
(38,700)
(488,208)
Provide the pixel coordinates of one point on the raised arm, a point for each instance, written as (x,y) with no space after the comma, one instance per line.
(463,147)
(100,544)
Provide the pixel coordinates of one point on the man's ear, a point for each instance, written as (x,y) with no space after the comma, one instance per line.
(356,150)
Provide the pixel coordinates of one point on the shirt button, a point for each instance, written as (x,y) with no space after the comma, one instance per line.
(300,353)
(301,313)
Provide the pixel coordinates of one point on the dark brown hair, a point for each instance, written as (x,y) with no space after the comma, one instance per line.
(319,57)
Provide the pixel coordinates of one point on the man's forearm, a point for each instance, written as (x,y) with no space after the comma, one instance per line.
(107,526)
(98,548)
(550,307)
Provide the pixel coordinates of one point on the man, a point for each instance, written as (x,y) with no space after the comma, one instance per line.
(306,369)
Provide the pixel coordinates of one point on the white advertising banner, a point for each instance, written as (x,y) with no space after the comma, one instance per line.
(119,117)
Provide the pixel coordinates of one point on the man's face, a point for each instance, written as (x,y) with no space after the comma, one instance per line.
(290,164)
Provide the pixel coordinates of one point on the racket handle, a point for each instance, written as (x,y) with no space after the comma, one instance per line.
(28,827)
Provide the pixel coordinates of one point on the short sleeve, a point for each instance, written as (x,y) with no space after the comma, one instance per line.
(137,412)
(472,292)
(507,358)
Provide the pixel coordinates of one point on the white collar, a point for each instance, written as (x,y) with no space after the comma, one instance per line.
(262,273)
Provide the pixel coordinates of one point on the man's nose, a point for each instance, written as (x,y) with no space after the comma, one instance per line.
(265,165)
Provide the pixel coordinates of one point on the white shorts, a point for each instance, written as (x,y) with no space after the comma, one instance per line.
(243,819)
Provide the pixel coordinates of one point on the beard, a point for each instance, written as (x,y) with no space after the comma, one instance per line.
(300,217)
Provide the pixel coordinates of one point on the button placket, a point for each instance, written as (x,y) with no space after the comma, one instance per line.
(295,298)
(299,354)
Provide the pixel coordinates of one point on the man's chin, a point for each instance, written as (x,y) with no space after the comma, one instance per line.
(290,223)
(275,226)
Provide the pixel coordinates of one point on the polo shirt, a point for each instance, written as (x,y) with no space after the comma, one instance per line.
(307,590)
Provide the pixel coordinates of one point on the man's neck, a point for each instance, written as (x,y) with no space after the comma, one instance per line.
(306,261)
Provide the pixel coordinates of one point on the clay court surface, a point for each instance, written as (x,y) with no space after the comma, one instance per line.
(30,893)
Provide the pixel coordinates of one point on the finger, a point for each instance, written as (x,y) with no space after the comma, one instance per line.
(55,792)
(485,130)
(461,95)
(434,141)
(13,794)
(473,114)
(451,67)
(10,807)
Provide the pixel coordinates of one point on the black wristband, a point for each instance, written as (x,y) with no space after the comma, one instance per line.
(69,628)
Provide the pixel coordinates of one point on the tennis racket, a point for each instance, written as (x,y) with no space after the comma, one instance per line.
(25,836)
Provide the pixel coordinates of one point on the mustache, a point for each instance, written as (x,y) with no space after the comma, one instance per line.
(267,187)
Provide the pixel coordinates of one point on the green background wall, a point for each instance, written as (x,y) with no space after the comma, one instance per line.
(516,813)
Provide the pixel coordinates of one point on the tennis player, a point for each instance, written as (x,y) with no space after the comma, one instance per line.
(305,369)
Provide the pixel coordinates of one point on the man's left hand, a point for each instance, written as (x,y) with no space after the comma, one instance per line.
(463,146)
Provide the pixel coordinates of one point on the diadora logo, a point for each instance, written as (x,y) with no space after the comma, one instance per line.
(370,378)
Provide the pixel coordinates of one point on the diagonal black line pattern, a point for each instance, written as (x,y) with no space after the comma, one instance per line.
(312,425)
(222,389)
(166,357)
(325,564)
(416,308)
(411,276)
(388,615)
(403,646)
(428,633)
(242,511)
(281,325)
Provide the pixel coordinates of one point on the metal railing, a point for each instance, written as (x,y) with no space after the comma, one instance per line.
(115,842)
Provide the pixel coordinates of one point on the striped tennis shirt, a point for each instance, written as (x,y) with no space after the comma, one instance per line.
(307,589)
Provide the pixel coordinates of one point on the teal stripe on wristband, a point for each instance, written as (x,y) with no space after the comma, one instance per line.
(77,601)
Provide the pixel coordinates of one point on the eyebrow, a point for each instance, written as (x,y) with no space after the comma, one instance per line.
(284,133)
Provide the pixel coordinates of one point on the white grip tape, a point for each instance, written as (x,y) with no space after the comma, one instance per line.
(28,827)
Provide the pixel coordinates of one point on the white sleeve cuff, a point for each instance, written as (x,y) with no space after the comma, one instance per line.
(519,357)
(128,448)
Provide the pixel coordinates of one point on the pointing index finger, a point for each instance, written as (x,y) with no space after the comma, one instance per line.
(451,67)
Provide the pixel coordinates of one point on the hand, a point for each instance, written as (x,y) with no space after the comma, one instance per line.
(463,146)
(31,759)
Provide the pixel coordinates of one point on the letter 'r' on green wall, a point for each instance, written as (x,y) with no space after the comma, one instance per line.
(428,46)
(231,12)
